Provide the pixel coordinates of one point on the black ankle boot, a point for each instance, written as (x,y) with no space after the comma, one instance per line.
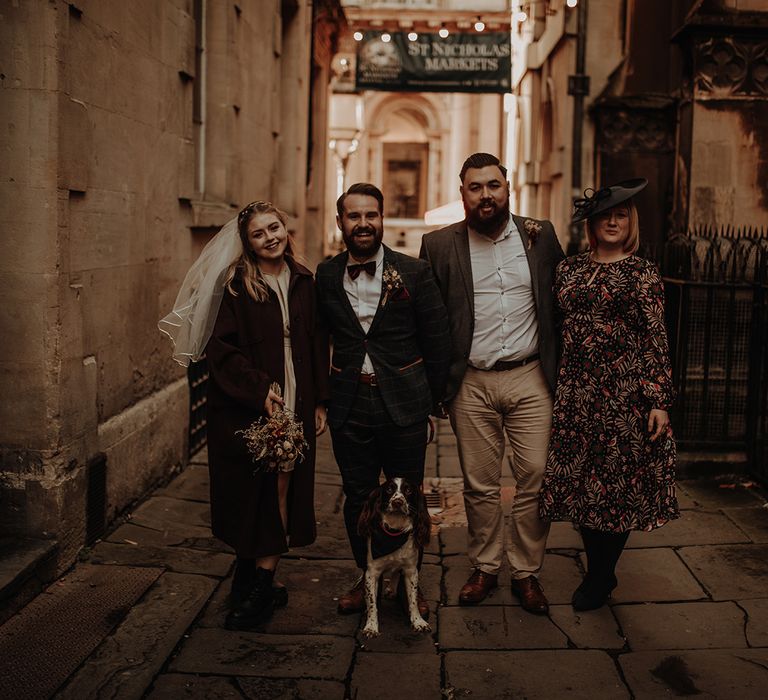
(593,593)
(242,581)
(257,607)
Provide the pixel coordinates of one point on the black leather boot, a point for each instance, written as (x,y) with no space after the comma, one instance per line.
(242,581)
(257,607)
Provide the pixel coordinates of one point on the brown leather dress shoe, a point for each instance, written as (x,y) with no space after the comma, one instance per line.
(531,595)
(354,600)
(477,587)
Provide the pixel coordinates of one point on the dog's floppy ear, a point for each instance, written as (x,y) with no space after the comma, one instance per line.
(422,523)
(370,513)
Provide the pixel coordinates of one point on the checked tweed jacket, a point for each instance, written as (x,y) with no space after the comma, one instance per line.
(447,251)
(408,340)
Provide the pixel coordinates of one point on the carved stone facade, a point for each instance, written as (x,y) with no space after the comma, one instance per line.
(727,67)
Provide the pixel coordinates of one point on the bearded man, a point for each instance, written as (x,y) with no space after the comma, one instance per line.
(390,338)
(495,272)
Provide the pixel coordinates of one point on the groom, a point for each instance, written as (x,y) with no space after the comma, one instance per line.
(390,358)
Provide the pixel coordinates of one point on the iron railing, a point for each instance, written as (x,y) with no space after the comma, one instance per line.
(197,374)
(716,283)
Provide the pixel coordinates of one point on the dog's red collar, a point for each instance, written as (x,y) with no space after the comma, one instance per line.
(391,533)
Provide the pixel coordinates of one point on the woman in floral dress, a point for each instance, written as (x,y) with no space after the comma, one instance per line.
(611,461)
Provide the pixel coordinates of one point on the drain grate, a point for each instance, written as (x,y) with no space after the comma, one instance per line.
(42,645)
(435,500)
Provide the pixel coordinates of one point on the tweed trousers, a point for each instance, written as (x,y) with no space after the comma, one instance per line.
(490,407)
(367,444)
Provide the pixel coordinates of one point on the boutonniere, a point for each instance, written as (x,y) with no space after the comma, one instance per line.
(533,229)
(394,287)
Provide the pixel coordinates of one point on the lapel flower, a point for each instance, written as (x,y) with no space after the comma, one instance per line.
(394,288)
(533,229)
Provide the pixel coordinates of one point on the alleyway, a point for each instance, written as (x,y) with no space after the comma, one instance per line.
(142,614)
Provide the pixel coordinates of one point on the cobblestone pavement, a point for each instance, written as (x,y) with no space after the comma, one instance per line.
(689,617)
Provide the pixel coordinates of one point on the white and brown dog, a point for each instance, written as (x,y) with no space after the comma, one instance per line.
(396,523)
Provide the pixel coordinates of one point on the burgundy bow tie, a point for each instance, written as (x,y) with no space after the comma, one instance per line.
(355,270)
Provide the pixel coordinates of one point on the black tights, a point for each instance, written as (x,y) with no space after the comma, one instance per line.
(603,550)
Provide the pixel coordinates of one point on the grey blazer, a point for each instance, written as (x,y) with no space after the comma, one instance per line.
(447,251)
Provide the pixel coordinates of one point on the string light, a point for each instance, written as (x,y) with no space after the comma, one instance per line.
(571,3)
(479,25)
(386,38)
(412,36)
(358,36)
(520,16)
(443,33)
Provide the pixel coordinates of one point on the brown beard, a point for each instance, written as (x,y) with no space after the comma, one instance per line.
(491,225)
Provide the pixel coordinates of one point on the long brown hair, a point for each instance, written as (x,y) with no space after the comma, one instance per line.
(247,264)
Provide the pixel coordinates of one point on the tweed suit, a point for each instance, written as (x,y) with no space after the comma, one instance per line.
(382,427)
(490,409)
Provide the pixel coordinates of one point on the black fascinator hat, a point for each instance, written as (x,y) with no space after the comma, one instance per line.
(595,202)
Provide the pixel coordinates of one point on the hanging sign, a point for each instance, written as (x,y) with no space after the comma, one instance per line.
(476,62)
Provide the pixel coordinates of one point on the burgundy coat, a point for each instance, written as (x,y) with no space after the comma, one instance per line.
(245,355)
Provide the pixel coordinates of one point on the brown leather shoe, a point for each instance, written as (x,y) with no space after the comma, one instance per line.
(531,595)
(354,600)
(477,587)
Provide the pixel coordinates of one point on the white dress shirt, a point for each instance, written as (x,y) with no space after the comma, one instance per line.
(506,327)
(364,294)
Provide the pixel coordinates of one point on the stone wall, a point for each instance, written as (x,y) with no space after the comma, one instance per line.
(114,172)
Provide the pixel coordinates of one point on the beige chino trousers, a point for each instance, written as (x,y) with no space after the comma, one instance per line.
(490,406)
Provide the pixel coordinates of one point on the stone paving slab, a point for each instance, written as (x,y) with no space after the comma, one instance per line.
(682,625)
(563,535)
(312,593)
(721,493)
(143,536)
(693,527)
(174,515)
(753,521)
(757,621)
(533,675)
(193,484)
(497,627)
(190,561)
(684,499)
(559,578)
(220,652)
(739,673)
(653,575)
(453,540)
(730,572)
(127,661)
(396,635)
(596,629)
(173,686)
(379,676)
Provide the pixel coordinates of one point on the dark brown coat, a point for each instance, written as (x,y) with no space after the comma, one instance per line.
(245,355)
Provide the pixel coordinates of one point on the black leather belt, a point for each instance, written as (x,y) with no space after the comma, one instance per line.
(504,365)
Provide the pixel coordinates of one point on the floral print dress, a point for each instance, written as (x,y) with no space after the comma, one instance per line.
(602,470)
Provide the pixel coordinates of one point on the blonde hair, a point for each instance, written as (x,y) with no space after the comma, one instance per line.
(633,234)
(246,266)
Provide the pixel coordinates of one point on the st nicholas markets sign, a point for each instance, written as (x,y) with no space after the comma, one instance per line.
(476,62)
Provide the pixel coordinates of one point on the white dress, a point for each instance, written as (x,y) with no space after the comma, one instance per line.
(279,284)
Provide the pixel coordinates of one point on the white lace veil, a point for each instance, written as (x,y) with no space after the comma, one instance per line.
(191,322)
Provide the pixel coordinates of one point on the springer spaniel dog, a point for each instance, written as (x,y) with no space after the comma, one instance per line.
(396,523)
